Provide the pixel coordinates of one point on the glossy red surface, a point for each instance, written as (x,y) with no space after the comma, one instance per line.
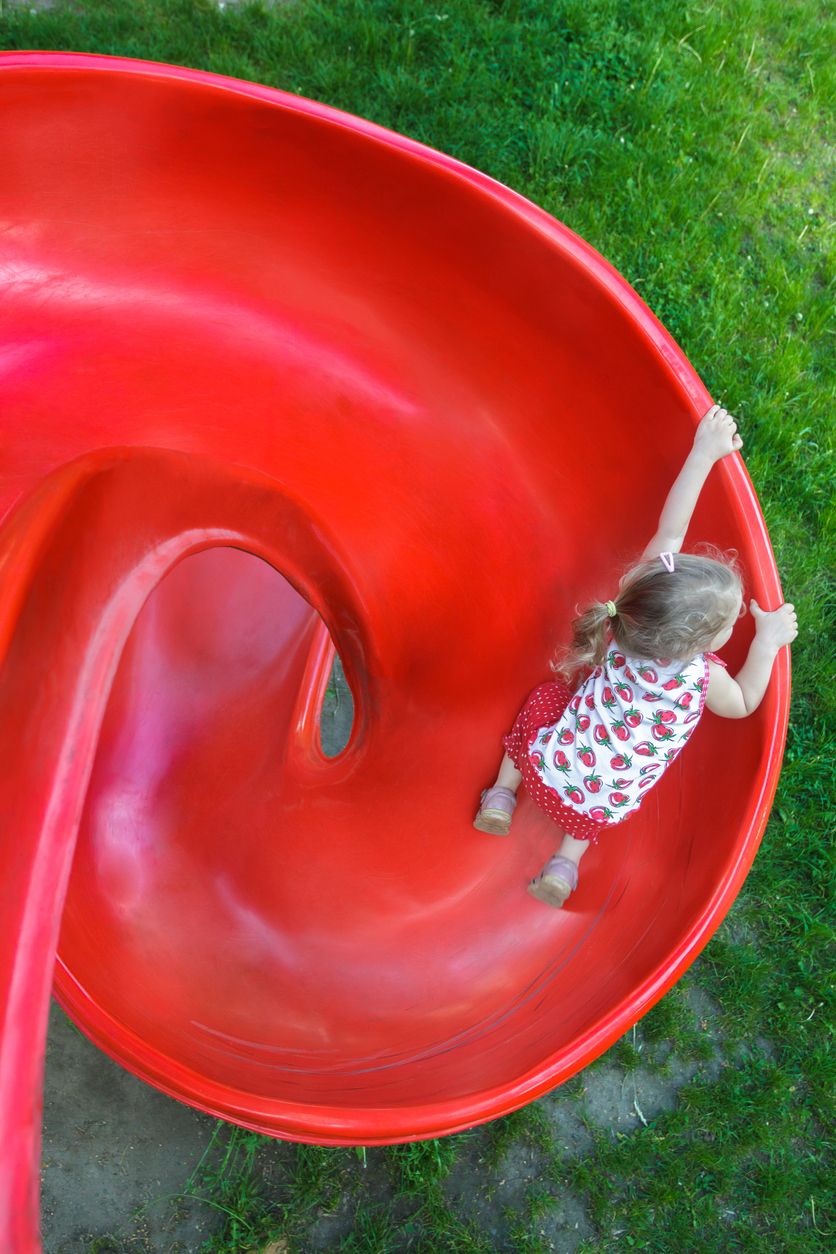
(270,372)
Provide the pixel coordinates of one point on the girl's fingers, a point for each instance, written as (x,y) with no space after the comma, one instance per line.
(721,420)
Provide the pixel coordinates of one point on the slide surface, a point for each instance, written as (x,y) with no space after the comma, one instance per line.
(277,381)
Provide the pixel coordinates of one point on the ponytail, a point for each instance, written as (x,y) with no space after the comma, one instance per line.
(589,641)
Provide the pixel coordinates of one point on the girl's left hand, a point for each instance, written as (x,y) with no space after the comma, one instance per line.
(775,628)
(716,435)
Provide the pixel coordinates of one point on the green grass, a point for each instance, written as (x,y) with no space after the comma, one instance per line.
(687,144)
(227,1181)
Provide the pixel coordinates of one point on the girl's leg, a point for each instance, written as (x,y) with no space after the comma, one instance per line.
(572,849)
(559,877)
(509,776)
(499,802)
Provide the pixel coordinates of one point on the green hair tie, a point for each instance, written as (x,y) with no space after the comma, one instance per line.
(611,609)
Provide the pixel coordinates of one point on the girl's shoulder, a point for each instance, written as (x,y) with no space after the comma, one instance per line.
(654,670)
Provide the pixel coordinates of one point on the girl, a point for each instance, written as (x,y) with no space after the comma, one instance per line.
(589,753)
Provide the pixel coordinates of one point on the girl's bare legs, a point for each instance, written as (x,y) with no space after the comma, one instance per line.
(509,776)
(572,849)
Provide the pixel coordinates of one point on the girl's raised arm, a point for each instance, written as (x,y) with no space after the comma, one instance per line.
(716,437)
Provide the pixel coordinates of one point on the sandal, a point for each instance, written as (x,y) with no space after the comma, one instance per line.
(556,881)
(495,810)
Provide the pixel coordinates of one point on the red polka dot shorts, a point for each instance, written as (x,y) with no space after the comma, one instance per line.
(544,707)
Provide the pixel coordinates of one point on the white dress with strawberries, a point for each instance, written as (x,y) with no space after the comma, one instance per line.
(619,733)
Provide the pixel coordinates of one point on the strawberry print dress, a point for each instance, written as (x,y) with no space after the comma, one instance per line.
(589,757)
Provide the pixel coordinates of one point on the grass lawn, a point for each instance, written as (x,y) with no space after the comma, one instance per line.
(687,143)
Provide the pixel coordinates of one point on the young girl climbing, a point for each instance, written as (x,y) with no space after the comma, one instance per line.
(632,688)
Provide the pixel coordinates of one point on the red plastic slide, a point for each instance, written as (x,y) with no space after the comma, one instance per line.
(274,377)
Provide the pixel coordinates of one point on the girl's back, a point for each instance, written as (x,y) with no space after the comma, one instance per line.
(625,724)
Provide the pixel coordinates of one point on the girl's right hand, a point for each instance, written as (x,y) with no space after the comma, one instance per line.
(775,628)
(716,435)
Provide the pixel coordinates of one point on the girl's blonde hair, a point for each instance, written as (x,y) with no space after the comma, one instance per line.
(659,613)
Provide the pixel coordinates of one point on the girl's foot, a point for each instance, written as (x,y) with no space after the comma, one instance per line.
(556,881)
(495,811)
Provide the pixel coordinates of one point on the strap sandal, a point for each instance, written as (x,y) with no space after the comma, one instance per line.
(495,810)
(555,882)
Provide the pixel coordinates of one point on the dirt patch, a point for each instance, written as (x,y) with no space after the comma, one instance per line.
(112,1144)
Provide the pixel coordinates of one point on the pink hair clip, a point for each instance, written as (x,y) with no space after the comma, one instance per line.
(667,561)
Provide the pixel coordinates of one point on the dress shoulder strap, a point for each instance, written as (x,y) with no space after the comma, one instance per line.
(712,657)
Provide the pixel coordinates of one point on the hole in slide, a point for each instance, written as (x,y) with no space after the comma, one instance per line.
(227,661)
(336,716)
